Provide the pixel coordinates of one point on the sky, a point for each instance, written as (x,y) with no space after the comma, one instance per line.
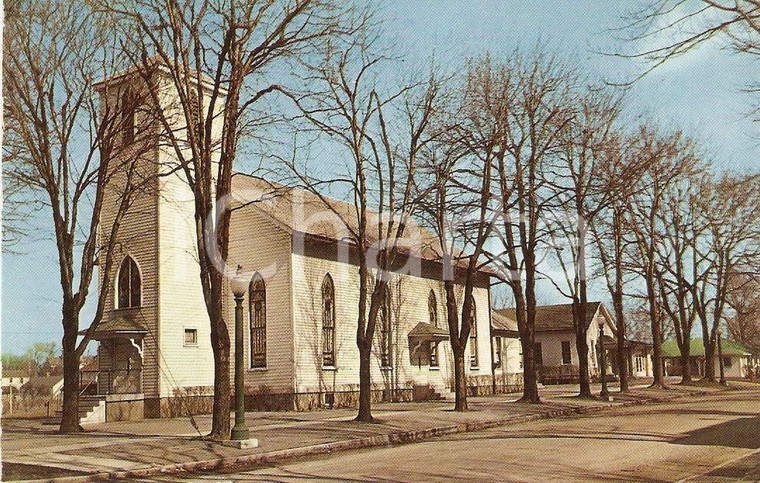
(700,92)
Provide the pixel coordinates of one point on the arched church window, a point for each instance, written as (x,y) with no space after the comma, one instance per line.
(386,330)
(473,335)
(257,310)
(128,284)
(433,316)
(328,322)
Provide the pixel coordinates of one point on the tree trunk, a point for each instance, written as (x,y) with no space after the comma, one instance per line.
(584,380)
(657,369)
(220,343)
(70,404)
(623,356)
(530,379)
(365,385)
(527,339)
(685,367)
(709,364)
(460,379)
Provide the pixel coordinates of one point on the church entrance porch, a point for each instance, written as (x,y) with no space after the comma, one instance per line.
(118,378)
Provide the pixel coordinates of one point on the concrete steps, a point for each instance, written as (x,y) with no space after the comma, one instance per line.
(92,410)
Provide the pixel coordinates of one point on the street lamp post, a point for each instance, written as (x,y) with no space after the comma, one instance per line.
(604,393)
(239,432)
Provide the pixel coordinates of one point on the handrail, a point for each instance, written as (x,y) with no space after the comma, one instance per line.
(104,381)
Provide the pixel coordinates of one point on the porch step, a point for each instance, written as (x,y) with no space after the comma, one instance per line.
(91,410)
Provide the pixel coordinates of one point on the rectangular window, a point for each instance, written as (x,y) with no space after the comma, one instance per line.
(191,336)
(433,354)
(538,354)
(566,354)
(521,357)
(497,351)
(474,344)
(727,362)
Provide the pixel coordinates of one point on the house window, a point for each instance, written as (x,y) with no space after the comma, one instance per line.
(566,356)
(727,362)
(433,317)
(191,337)
(386,336)
(328,322)
(473,336)
(257,310)
(538,354)
(128,107)
(521,357)
(497,354)
(639,363)
(128,284)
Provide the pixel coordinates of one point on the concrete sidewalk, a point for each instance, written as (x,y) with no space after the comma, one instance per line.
(152,446)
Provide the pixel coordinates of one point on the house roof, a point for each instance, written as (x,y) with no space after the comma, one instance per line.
(425,331)
(15,373)
(611,342)
(118,326)
(302,211)
(44,382)
(697,348)
(557,317)
(501,324)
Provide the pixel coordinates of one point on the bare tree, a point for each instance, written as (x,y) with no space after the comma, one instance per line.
(730,210)
(743,298)
(218,57)
(582,194)
(668,158)
(349,104)
(523,108)
(680,268)
(60,144)
(619,173)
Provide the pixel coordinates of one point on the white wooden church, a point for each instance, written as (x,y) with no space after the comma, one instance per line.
(154,349)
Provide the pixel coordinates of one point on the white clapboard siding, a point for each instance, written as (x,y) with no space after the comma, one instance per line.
(182,303)
(409,306)
(137,238)
(258,245)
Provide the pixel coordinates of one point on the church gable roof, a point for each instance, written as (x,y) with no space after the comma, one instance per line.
(300,211)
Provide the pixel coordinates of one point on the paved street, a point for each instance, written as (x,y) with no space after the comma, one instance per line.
(699,439)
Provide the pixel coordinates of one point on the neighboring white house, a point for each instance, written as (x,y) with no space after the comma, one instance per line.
(300,311)
(14,378)
(556,352)
(737,359)
(507,353)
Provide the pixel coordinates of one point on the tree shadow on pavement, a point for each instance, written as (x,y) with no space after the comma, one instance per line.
(737,433)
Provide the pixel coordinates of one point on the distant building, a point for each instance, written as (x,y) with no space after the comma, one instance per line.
(43,386)
(555,350)
(737,359)
(14,378)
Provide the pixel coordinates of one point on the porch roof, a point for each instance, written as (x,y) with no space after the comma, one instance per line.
(503,326)
(118,327)
(611,343)
(427,332)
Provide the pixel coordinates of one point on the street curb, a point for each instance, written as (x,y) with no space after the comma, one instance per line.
(392,439)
